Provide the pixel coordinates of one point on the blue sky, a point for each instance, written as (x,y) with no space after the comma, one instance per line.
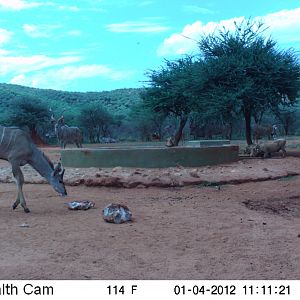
(97,45)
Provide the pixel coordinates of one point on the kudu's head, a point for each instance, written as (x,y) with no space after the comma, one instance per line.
(56,180)
(57,122)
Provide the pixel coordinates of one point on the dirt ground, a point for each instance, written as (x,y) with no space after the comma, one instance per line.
(233,221)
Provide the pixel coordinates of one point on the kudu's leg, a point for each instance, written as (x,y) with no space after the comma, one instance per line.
(19,181)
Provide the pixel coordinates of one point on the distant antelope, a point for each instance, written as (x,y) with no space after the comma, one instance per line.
(261,131)
(65,134)
(17,148)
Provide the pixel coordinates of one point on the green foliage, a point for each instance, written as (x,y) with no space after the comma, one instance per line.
(70,104)
(171,88)
(286,116)
(96,121)
(246,73)
(238,76)
(146,122)
(28,111)
(118,102)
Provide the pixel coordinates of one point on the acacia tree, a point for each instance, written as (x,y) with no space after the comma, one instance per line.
(31,113)
(171,91)
(96,121)
(248,69)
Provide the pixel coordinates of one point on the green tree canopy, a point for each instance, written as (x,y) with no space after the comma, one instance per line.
(247,73)
(96,121)
(172,91)
(28,111)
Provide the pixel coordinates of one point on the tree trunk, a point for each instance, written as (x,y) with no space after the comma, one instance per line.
(230,128)
(286,128)
(178,134)
(247,115)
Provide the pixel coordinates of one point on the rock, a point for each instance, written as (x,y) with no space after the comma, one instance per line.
(81,205)
(194,173)
(177,174)
(116,213)
(117,169)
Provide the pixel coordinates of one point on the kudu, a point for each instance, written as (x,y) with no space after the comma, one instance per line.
(18,149)
(260,131)
(65,134)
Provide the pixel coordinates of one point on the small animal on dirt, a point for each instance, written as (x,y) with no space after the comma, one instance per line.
(17,147)
(266,149)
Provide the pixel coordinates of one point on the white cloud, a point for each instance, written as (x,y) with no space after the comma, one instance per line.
(282,20)
(25,4)
(145,3)
(186,41)
(18,4)
(18,79)
(87,71)
(60,78)
(69,8)
(38,31)
(5,36)
(74,32)
(197,9)
(136,27)
(4,52)
(24,64)
(284,27)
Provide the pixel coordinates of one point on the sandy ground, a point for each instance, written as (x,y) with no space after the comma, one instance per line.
(234,221)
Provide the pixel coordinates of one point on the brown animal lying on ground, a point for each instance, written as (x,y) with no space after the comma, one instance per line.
(267,148)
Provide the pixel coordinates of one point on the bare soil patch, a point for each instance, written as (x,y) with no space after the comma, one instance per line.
(235,221)
(287,207)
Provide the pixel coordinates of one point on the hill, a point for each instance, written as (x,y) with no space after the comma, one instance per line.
(117,102)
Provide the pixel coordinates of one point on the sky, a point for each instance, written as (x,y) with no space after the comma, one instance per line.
(99,45)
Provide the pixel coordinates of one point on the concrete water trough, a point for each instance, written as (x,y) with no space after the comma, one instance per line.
(149,157)
(207,143)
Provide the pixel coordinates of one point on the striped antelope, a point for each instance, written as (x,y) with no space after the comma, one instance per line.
(65,134)
(17,148)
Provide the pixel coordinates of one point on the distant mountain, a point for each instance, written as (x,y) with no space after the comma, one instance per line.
(117,102)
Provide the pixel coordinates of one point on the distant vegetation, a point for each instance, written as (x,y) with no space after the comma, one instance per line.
(237,80)
(238,75)
(77,108)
